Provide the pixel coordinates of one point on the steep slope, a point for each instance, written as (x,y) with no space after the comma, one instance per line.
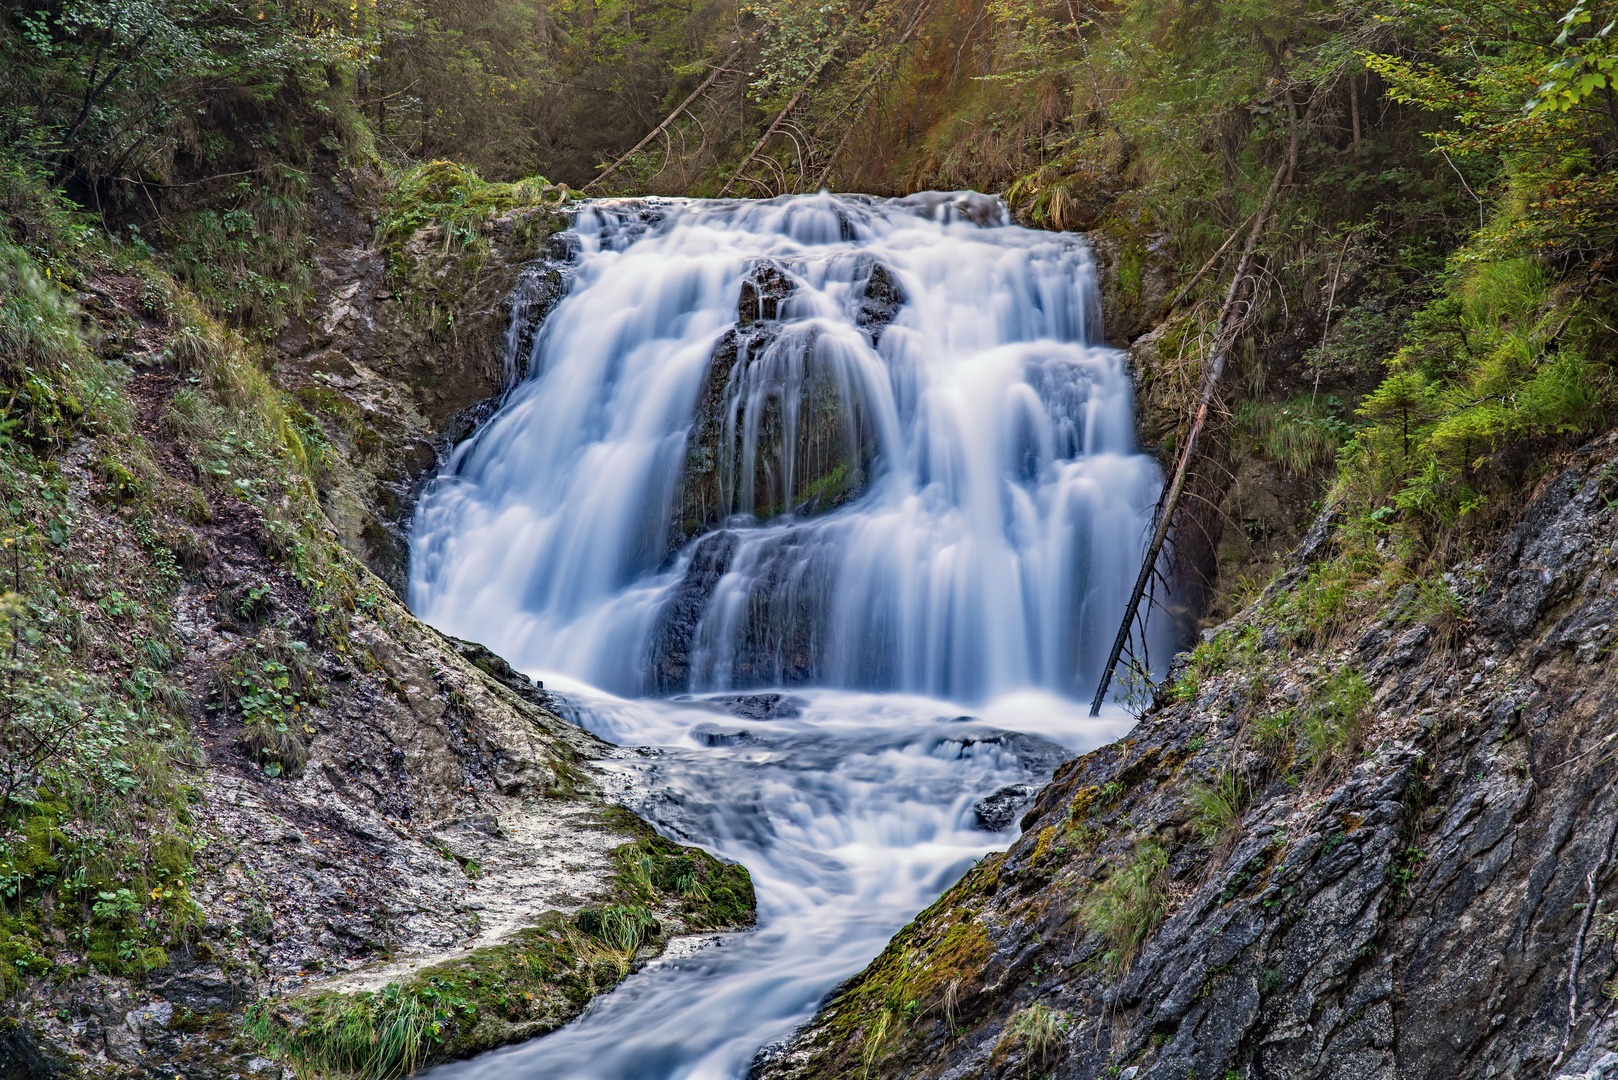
(1371,834)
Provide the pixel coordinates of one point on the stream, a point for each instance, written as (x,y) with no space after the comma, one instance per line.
(829,505)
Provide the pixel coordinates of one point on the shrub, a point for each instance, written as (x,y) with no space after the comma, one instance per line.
(454,198)
(54,386)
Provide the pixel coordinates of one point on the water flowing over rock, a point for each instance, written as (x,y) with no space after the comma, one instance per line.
(832,440)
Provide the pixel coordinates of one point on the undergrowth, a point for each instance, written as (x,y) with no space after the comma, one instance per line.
(98,759)
(454,199)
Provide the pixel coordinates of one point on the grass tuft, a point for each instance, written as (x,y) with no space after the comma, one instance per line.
(1128,906)
(1216,808)
(1040,1029)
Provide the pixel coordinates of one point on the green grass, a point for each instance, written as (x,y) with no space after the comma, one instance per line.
(1299,434)
(1129,905)
(369,1036)
(622,927)
(1232,649)
(1334,722)
(1216,808)
(1038,1028)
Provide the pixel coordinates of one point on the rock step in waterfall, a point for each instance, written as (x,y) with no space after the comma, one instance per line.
(819,440)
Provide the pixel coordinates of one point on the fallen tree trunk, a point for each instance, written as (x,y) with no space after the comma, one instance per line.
(774,125)
(659,129)
(915,25)
(1224,331)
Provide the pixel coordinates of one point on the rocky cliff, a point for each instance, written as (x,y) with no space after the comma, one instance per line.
(1367,832)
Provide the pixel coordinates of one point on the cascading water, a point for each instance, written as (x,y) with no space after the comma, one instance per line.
(869,450)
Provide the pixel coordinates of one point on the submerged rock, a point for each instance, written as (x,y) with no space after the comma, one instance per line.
(677,623)
(760,706)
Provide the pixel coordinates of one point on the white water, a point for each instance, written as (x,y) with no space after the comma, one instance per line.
(987,561)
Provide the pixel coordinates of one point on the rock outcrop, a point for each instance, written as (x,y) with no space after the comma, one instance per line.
(1250,885)
(403,353)
(780,425)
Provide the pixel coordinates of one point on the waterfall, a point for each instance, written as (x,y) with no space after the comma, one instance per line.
(872,450)
(823,440)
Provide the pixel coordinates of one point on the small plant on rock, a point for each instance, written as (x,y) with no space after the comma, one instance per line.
(623,927)
(1216,807)
(1335,721)
(1040,1029)
(272,689)
(1127,907)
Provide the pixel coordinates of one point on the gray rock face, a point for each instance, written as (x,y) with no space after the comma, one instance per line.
(776,429)
(1433,906)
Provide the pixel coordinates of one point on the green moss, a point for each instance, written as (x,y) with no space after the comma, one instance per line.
(921,970)
(1131,263)
(534,981)
(459,203)
(708,893)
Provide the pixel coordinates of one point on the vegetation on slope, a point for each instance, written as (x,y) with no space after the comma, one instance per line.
(98,757)
(141,429)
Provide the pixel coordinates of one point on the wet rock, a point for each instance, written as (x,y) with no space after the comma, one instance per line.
(881,297)
(762,294)
(998,811)
(714,735)
(947,206)
(760,706)
(396,362)
(677,623)
(774,430)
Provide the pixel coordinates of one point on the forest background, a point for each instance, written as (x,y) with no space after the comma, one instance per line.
(1447,195)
